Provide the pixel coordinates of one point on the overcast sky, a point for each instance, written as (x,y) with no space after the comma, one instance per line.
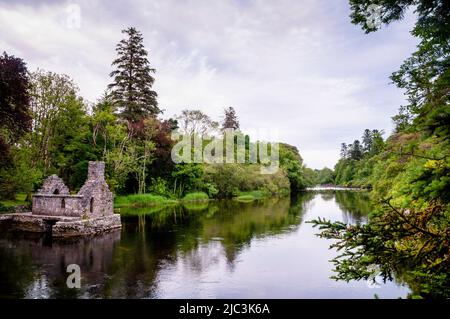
(298,67)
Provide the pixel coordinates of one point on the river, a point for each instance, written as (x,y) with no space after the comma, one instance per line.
(212,250)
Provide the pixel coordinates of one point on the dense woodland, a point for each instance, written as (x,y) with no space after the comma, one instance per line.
(47,128)
(408,172)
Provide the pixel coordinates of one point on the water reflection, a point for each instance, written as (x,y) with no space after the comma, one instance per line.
(220,249)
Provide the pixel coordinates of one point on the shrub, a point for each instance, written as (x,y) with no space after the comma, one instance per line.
(197,196)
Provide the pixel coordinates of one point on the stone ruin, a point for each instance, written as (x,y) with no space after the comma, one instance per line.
(93,200)
(55,210)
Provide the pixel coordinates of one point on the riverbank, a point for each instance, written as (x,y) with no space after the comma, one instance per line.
(8,206)
(149,200)
(146,200)
(336,188)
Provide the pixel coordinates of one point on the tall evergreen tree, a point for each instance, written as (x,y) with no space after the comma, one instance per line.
(344,150)
(131,91)
(367,140)
(231,120)
(356,150)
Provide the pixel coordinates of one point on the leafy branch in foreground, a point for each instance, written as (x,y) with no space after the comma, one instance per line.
(412,245)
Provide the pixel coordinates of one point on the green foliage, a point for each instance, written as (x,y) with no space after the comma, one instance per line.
(131,90)
(188,177)
(141,200)
(230,121)
(357,161)
(122,130)
(252,196)
(195,197)
(14,103)
(408,234)
(292,163)
(231,179)
(410,244)
(324,176)
(18,200)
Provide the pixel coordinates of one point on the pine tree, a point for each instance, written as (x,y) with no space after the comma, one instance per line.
(131,91)
(231,121)
(344,150)
(367,140)
(356,150)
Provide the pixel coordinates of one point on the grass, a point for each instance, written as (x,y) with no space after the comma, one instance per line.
(146,200)
(196,197)
(142,200)
(251,196)
(20,200)
(7,205)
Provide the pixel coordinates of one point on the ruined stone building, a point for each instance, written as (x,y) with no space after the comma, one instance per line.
(55,210)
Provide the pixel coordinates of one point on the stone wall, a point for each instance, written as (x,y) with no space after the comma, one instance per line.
(94,198)
(55,186)
(58,205)
(87,226)
(60,226)
(97,198)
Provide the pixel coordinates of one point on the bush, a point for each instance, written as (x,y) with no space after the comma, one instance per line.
(159,186)
(196,197)
(141,200)
(232,179)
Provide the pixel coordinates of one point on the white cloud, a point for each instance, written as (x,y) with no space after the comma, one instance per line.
(297,66)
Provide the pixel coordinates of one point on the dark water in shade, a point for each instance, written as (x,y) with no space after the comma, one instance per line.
(215,250)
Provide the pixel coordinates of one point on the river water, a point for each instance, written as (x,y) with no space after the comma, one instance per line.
(213,250)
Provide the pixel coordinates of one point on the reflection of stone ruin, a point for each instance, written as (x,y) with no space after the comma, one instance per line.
(49,261)
(56,211)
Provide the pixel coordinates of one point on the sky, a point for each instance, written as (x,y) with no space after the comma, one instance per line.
(296,68)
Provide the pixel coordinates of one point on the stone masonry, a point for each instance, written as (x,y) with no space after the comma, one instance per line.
(55,210)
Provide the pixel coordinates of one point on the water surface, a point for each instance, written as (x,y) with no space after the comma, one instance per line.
(213,250)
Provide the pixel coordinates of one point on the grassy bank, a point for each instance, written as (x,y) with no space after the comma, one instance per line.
(252,196)
(196,197)
(142,200)
(146,200)
(8,205)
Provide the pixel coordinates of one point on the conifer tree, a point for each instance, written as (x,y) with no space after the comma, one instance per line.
(231,120)
(131,91)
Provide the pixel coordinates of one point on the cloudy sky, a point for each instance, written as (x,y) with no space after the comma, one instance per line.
(297,67)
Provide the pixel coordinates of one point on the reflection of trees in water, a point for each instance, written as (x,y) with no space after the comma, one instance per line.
(355,205)
(327,195)
(128,263)
(16,271)
(33,268)
(197,237)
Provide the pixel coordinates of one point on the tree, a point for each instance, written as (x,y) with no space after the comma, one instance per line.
(14,103)
(377,142)
(344,150)
(131,90)
(367,140)
(50,93)
(408,233)
(292,163)
(425,75)
(230,121)
(355,150)
(196,122)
